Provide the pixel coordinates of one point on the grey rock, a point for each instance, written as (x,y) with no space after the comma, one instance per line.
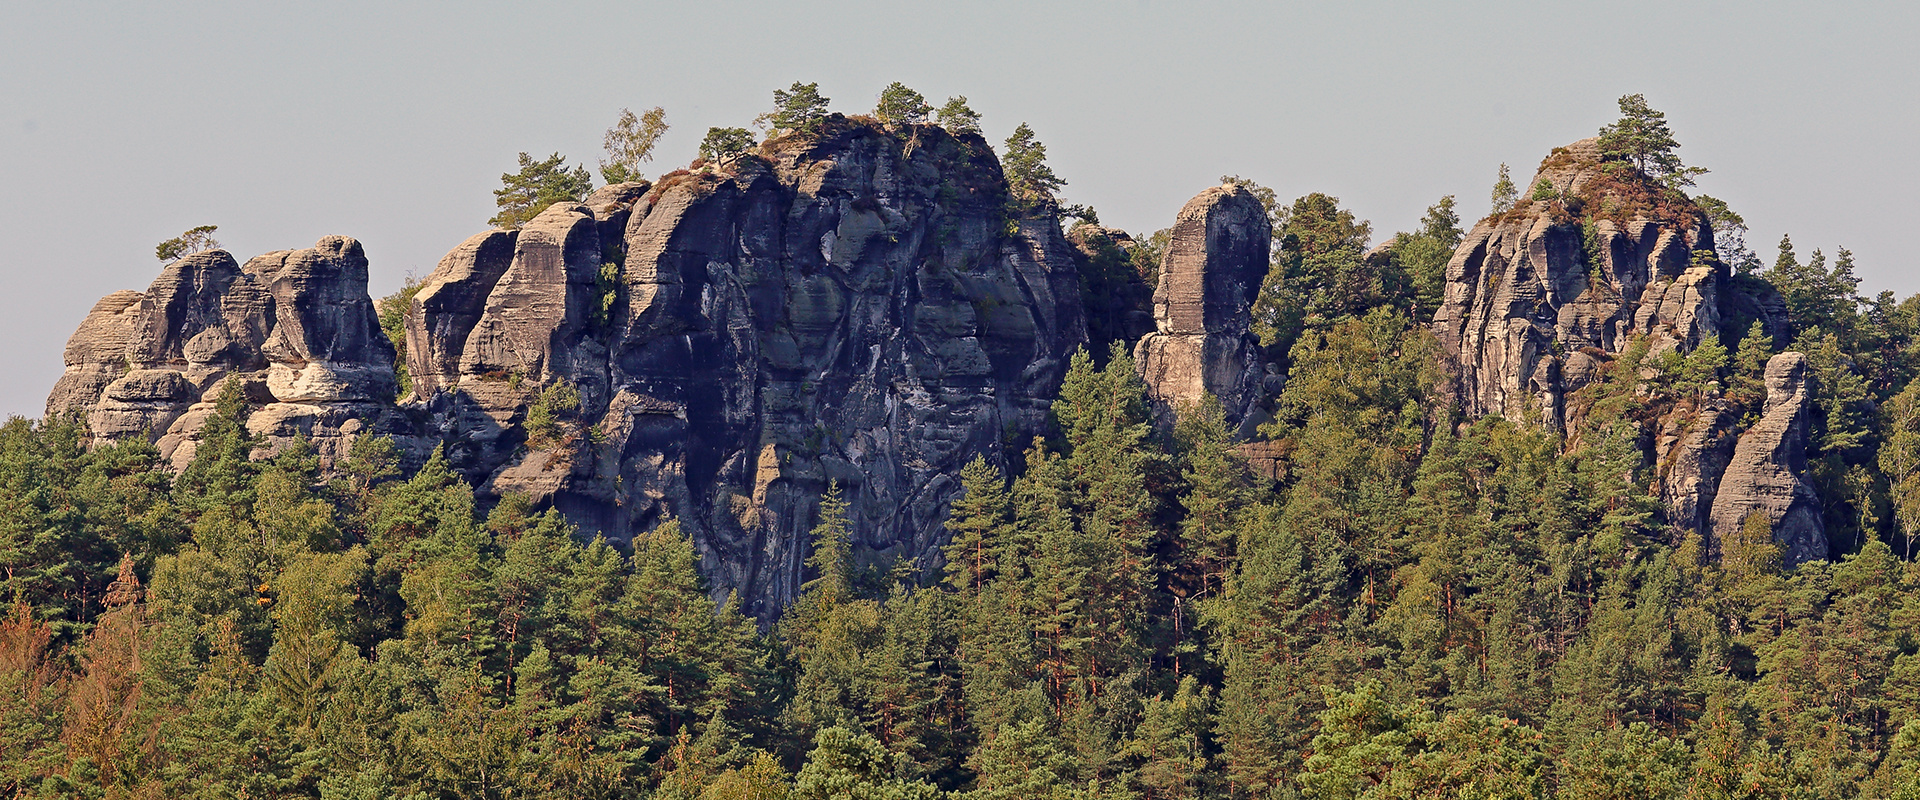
(851,308)
(1523,288)
(1692,451)
(1202,309)
(1767,474)
(449,305)
(1119,302)
(294,328)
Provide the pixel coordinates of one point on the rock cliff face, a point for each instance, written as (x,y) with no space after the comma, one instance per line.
(1767,472)
(1202,308)
(854,308)
(295,328)
(1530,290)
(1539,299)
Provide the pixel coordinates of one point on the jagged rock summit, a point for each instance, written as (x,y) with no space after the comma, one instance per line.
(854,307)
(1541,298)
(1202,309)
(294,328)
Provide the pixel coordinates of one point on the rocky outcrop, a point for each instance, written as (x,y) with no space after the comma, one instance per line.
(1118,300)
(1693,448)
(1540,300)
(1600,255)
(1767,473)
(96,354)
(294,329)
(1202,343)
(854,307)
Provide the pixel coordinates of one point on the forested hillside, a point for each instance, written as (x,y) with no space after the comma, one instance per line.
(1374,579)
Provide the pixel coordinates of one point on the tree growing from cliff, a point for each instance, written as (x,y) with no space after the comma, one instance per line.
(195,240)
(798,107)
(630,142)
(524,194)
(957,117)
(1505,194)
(1641,137)
(1729,235)
(900,105)
(1029,178)
(725,143)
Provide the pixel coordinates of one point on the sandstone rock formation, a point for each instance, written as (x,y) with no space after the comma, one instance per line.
(854,307)
(1202,308)
(1767,473)
(1118,300)
(1540,299)
(1605,258)
(295,328)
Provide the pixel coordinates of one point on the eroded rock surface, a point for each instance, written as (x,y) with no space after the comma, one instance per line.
(1607,258)
(294,329)
(1767,474)
(854,308)
(1540,301)
(1202,309)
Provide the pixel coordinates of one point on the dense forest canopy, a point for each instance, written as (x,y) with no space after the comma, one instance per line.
(1411,604)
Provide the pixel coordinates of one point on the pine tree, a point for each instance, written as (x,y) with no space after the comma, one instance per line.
(1641,136)
(798,108)
(1029,179)
(1505,194)
(523,195)
(957,117)
(900,106)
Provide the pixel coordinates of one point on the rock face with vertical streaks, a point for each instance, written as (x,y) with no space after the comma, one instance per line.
(1541,299)
(1202,309)
(1767,473)
(854,307)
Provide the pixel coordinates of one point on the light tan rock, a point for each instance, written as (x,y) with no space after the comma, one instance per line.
(1768,471)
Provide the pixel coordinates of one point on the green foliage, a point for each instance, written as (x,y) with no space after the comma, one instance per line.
(723,144)
(195,240)
(1505,194)
(957,117)
(393,310)
(1422,255)
(1729,235)
(1544,191)
(630,142)
(549,409)
(1641,137)
(1029,178)
(523,195)
(1320,273)
(900,106)
(798,108)
(1818,298)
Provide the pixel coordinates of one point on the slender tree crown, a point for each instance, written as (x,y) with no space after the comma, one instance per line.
(1025,162)
(630,142)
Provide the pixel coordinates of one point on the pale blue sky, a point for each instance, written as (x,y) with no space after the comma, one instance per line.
(123,124)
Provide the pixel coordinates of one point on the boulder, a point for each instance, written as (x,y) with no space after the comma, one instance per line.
(96,354)
(294,329)
(449,305)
